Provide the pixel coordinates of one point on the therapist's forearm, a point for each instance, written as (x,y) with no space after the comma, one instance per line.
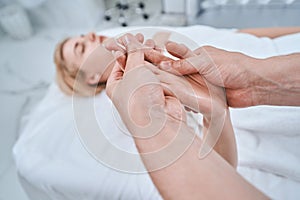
(271,32)
(189,177)
(277,81)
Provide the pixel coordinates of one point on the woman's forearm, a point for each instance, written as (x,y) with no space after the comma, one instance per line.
(225,144)
(189,177)
(276,80)
(271,32)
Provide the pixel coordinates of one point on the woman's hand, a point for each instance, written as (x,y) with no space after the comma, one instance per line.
(135,90)
(157,99)
(173,163)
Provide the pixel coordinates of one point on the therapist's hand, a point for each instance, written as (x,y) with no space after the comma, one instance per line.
(231,70)
(199,95)
(194,92)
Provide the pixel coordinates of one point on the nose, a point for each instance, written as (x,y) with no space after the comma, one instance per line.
(91,36)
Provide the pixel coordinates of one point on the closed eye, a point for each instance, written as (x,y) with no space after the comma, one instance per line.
(79,48)
(83,48)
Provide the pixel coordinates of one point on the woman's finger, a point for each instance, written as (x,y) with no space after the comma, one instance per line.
(135,52)
(189,63)
(140,37)
(120,57)
(122,41)
(113,45)
(160,39)
(150,43)
(115,76)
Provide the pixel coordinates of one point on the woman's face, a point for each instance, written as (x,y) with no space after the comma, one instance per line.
(86,52)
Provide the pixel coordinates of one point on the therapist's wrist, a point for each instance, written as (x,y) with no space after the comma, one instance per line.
(276,80)
(242,90)
(257,86)
(260,84)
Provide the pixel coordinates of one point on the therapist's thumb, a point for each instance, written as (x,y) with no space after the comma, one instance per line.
(187,66)
(197,61)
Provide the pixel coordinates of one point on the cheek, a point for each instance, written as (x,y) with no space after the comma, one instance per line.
(107,72)
(98,61)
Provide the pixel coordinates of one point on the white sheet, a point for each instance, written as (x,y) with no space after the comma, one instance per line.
(50,156)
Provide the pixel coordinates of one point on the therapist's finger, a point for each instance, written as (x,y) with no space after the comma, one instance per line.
(155,56)
(152,44)
(180,67)
(179,50)
(183,66)
(198,61)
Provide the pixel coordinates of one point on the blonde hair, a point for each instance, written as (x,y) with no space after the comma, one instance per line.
(67,76)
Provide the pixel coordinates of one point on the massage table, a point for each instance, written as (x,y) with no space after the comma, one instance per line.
(53,162)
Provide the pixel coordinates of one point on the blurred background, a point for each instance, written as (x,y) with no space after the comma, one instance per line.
(30,29)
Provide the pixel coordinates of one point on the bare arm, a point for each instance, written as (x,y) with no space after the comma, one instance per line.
(190,177)
(271,32)
(276,80)
(225,144)
(210,100)
(193,92)
(168,148)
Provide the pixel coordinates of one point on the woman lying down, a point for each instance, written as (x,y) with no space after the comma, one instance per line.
(84,59)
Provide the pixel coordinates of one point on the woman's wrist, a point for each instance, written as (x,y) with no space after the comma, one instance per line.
(167,145)
(224,143)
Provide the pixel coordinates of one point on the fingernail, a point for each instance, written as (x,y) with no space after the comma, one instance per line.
(167,42)
(165,65)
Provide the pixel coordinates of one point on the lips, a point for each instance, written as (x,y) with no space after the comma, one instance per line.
(98,37)
(101,38)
